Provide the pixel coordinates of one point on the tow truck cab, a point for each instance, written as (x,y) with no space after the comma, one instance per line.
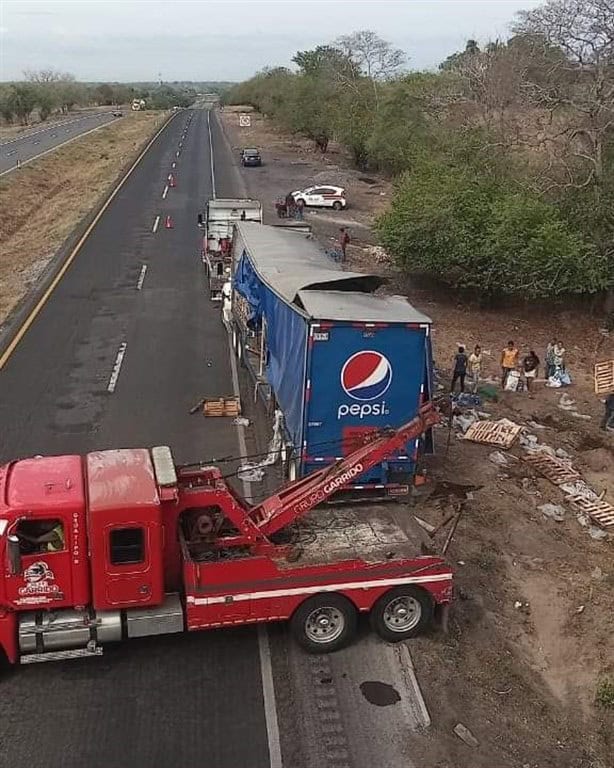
(107,508)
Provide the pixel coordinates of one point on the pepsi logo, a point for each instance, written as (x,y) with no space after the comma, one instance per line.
(366,375)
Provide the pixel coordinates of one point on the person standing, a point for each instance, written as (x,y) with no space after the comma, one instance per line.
(475,367)
(344,241)
(460,369)
(550,358)
(558,356)
(530,366)
(509,361)
(608,417)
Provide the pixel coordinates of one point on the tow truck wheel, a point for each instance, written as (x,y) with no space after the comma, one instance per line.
(324,623)
(401,613)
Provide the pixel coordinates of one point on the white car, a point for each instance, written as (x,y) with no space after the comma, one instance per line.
(321,197)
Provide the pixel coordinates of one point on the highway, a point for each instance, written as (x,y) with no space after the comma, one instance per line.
(165,702)
(123,346)
(41,140)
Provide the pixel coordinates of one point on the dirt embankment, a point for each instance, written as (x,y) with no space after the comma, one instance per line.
(531,631)
(43,202)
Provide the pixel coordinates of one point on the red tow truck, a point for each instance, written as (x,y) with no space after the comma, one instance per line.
(132,545)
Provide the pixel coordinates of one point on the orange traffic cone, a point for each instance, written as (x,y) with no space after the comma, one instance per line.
(168,223)
(171,180)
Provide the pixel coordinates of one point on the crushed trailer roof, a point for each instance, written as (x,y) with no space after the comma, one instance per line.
(360,307)
(290,262)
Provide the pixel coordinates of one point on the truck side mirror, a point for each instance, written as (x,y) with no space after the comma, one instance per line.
(200,219)
(14,555)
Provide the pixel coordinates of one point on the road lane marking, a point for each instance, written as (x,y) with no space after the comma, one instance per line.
(12,152)
(177,153)
(141,279)
(23,328)
(264,650)
(57,146)
(211,154)
(180,144)
(165,193)
(154,229)
(174,164)
(117,367)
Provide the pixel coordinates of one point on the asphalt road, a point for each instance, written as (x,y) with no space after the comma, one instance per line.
(41,140)
(161,702)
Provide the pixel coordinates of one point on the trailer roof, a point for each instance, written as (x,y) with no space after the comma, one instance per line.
(234,202)
(290,262)
(363,307)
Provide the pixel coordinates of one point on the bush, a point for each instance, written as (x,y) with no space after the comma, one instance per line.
(466,226)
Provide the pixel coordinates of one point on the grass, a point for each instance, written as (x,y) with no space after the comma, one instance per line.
(42,203)
(605,694)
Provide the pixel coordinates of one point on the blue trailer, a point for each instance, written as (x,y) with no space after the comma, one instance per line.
(338,360)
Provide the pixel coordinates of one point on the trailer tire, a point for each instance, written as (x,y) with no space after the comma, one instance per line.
(324,623)
(401,613)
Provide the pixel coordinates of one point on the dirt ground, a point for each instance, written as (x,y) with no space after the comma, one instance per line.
(531,631)
(42,203)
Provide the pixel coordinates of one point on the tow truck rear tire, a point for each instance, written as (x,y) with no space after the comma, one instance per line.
(401,613)
(324,623)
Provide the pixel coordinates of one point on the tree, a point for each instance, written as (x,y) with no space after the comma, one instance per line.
(22,100)
(325,61)
(459,224)
(579,85)
(376,58)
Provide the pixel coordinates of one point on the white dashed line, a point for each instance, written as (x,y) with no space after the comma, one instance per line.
(180,144)
(141,279)
(173,165)
(117,367)
(177,153)
(12,152)
(165,193)
(154,229)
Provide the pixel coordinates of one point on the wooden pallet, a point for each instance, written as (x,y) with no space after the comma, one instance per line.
(222,406)
(552,468)
(499,433)
(604,377)
(598,510)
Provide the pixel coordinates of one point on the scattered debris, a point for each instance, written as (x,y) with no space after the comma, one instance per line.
(555,470)
(535,425)
(566,403)
(499,458)
(597,573)
(501,433)
(597,509)
(222,406)
(604,377)
(250,473)
(597,533)
(195,408)
(464,734)
(553,511)
(561,453)
(241,421)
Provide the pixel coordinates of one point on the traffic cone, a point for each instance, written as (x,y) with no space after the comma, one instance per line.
(171,180)
(168,223)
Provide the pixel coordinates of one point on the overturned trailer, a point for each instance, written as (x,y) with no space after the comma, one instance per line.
(336,359)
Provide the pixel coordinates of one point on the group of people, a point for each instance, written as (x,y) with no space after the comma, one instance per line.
(510,362)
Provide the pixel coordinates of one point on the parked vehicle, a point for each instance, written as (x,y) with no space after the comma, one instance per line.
(323,196)
(217,222)
(122,543)
(251,158)
(117,113)
(337,360)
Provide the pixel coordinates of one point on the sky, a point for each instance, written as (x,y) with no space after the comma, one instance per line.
(206,40)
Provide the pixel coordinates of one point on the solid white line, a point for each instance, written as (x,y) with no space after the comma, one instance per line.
(154,229)
(264,651)
(268,694)
(117,367)
(165,193)
(57,146)
(141,279)
(211,154)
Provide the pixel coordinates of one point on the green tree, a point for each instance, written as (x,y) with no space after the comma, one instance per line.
(22,100)
(460,224)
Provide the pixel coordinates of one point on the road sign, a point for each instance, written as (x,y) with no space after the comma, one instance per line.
(245,121)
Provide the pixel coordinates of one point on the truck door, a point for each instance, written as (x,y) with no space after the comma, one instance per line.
(131,577)
(45,576)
